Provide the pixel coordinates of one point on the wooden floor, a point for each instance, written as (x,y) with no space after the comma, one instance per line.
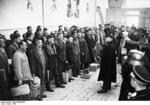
(85,90)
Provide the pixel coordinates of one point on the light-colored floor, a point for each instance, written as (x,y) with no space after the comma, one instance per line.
(85,90)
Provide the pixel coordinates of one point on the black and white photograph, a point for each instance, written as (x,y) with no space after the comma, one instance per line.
(74,50)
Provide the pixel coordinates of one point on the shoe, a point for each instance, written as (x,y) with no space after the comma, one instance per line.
(75,76)
(44,96)
(50,90)
(102,91)
(38,98)
(64,83)
(60,86)
(70,79)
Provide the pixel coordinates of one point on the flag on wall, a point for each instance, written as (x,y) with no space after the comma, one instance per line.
(115,3)
(73,8)
(53,5)
(29,5)
(87,7)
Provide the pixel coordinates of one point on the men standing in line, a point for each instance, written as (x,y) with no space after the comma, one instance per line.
(4,72)
(38,64)
(61,55)
(10,52)
(76,55)
(84,51)
(52,65)
(91,43)
(21,66)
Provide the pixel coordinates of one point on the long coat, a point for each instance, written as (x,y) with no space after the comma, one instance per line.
(69,52)
(91,43)
(51,54)
(36,64)
(11,50)
(61,50)
(4,72)
(84,51)
(108,64)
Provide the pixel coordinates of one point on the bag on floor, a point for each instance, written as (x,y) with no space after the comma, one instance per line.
(35,87)
(93,67)
(85,76)
(35,91)
(70,73)
(66,77)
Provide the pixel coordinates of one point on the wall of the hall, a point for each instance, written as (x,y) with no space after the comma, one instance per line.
(119,16)
(14,14)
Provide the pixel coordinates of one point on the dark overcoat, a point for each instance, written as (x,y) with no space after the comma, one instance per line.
(4,73)
(108,64)
(84,51)
(61,51)
(36,64)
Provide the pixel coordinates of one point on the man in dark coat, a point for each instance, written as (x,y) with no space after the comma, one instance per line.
(10,52)
(107,30)
(38,64)
(84,51)
(52,64)
(61,55)
(75,55)
(4,72)
(108,65)
(13,46)
(91,43)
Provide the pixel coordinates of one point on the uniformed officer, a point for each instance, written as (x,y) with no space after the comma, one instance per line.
(140,80)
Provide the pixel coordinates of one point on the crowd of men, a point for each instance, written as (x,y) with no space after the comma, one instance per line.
(47,55)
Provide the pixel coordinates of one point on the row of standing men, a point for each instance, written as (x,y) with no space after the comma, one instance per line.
(44,56)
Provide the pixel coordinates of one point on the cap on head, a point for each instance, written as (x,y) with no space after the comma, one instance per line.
(142,74)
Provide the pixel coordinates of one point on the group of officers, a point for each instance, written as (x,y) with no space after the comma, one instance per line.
(46,56)
(132,50)
(130,47)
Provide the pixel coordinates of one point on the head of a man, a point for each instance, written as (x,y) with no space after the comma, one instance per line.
(50,39)
(2,42)
(16,36)
(29,29)
(30,36)
(79,34)
(60,35)
(22,46)
(38,43)
(140,78)
(75,34)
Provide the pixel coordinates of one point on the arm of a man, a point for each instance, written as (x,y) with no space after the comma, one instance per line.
(17,66)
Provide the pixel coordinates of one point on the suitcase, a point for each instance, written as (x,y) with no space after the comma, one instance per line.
(70,73)
(93,67)
(35,91)
(65,77)
(85,76)
(35,88)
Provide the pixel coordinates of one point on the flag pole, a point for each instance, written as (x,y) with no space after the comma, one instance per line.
(95,13)
(43,14)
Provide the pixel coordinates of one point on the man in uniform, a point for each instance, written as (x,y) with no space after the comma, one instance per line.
(140,80)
